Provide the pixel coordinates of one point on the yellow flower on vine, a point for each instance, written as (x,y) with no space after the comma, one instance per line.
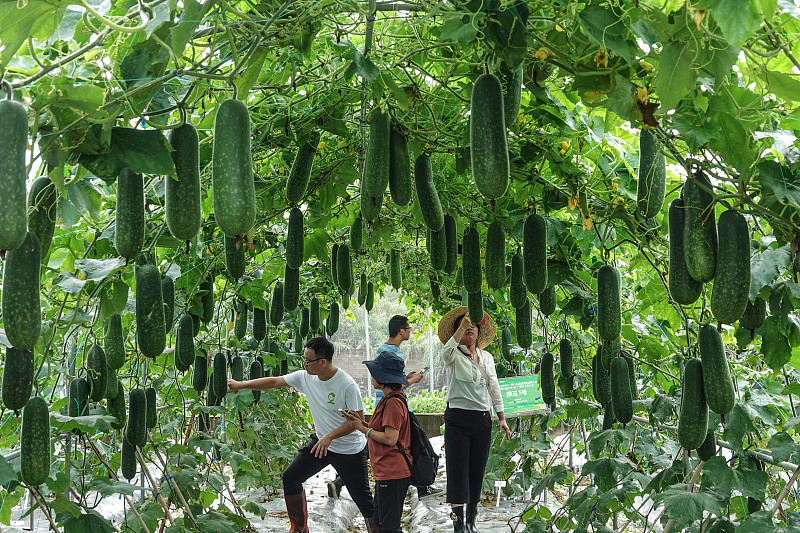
(601,58)
(543,53)
(588,223)
(642,95)
(573,202)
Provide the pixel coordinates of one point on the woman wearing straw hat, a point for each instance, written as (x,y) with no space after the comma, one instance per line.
(472,391)
(388,426)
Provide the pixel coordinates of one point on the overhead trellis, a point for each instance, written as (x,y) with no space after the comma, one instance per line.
(575,133)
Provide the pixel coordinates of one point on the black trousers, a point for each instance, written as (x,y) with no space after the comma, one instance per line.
(351,467)
(467,437)
(389,497)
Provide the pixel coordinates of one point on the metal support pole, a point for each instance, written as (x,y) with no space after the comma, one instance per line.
(31,503)
(73,355)
(366,347)
(571,434)
(430,360)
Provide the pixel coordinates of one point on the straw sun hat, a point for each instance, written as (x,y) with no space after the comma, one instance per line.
(448,324)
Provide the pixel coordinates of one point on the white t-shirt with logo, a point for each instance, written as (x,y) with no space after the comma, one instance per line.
(325,398)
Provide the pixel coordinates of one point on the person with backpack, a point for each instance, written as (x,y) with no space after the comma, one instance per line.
(472,391)
(399,331)
(388,437)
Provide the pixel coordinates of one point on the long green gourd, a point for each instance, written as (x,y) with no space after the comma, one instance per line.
(13,171)
(683,288)
(731,290)
(429,204)
(534,253)
(700,228)
(652,183)
(20,299)
(129,228)
(234,193)
(182,209)
(487,134)
(399,169)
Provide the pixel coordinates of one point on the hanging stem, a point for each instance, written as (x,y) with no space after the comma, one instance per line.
(147,473)
(114,26)
(113,475)
(791,401)
(44,509)
(173,483)
(784,492)
(689,487)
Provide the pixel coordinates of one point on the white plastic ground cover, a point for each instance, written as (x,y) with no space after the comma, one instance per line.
(328,515)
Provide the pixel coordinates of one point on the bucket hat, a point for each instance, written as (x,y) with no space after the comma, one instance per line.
(387,368)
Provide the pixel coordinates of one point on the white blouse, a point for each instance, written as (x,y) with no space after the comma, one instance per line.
(466,386)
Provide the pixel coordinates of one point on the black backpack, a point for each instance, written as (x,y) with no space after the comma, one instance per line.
(426,461)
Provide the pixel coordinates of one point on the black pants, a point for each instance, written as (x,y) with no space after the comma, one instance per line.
(351,467)
(467,437)
(389,497)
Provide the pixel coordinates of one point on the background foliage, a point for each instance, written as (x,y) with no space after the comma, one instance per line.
(715,79)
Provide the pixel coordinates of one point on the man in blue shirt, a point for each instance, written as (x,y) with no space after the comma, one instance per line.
(399,331)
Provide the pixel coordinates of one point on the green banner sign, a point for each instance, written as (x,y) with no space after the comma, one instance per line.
(522,395)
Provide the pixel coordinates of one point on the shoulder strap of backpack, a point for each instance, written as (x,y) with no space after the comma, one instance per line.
(399,447)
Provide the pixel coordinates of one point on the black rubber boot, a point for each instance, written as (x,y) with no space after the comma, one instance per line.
(335,487)
(457,515)
(372,526)
(469,517)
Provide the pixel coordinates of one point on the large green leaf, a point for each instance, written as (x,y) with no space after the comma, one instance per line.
(18,20)
(621,99)
(739,19)
(7,474)
(460,28)
(676,75)
(748,482)
(687,506)
(690,124)
(84,523)
(84,97)
(250,74)
(60,504)
(784,85)
(217,522)
(766,266)
(761,522)
(113,298)
(732,141)
(507,29)
(607,471)
(142,151)
(738,423)
(111,487)
(98,269)
(602,22)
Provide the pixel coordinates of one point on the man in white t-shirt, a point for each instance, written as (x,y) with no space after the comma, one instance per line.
(328,390)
